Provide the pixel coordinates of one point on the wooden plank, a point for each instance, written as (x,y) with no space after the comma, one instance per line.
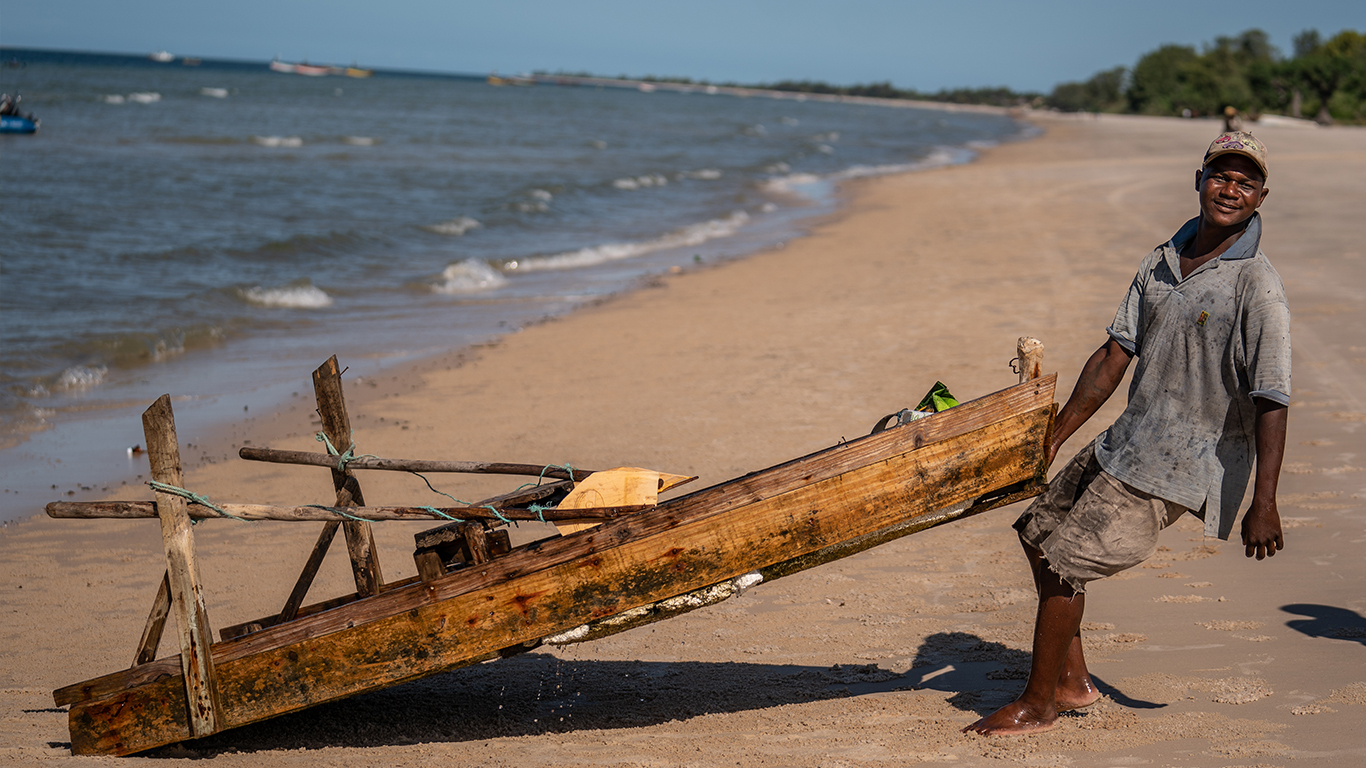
(622,485)
(187,594)
(641,567)
(132,510)
(1032,400)
(156,623)
(308,458)
(306,576)
(360,541)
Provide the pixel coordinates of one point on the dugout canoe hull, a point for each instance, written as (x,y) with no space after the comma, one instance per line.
(793,516)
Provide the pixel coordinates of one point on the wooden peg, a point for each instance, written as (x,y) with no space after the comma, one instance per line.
(1029,352)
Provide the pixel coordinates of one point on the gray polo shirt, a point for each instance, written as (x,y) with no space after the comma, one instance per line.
(1205,346)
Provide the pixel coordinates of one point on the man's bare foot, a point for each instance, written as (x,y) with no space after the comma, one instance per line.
(1014,719)
(1076,694)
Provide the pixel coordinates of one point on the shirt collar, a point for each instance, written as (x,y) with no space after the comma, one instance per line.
(1245,247)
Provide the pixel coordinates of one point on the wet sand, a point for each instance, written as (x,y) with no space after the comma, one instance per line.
(1206,658)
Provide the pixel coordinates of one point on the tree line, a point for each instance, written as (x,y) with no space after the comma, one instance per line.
(1322,79)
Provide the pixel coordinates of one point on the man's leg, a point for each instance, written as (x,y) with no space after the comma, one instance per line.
(1075,688)
(1056,628)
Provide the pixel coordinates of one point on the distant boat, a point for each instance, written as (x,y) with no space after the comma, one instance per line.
(494,79)
(18,124)
(163,56)
(14,121)
(317,70)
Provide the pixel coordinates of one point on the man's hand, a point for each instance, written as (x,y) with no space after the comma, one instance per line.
(1262,530)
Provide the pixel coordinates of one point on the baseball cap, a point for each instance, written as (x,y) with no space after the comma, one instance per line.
(1237,143)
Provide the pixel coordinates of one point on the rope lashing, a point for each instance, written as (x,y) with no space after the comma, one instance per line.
(439,513)
(342,458)
(337,511)
(203,501)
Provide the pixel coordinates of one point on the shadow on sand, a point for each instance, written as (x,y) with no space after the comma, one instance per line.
(1327,621)
(984,675)
(537,693)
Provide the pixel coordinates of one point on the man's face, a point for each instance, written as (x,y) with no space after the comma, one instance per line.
(1231,188)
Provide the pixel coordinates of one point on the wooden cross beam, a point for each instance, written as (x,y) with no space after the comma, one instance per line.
(182,574)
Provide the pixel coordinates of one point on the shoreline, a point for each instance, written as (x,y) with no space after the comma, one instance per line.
(1204,657)
(97,439)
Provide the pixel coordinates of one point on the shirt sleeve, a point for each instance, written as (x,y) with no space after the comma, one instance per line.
(1127,328)
(1266,344)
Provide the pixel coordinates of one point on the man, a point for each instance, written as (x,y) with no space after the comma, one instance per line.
(1207,319)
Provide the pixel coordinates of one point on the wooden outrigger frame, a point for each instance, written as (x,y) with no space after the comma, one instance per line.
(637,566)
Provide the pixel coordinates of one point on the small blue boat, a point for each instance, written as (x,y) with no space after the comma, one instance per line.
(17,124)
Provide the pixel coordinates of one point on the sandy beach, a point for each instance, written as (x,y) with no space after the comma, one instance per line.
(1205,658)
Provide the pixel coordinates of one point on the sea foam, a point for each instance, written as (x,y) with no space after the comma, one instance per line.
(278,141)
(469,276)
(145,97)
(290,296)
(648,180)
(81,377)
(454,227)
(695,234)
(214,93)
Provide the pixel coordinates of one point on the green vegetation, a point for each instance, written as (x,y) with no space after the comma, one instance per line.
(1323,79)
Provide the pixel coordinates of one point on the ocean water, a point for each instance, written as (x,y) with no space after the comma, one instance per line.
(217,231)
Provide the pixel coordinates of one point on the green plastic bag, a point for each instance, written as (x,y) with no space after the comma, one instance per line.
(939,399)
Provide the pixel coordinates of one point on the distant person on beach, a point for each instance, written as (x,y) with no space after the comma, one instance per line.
(1207,319)
(1232,120)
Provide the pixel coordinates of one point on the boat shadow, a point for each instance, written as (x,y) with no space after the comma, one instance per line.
(538,693)
(535,694)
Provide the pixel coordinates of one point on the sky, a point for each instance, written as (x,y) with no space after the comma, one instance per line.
(922,45)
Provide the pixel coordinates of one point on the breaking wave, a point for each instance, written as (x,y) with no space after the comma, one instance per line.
(648,180)
(469,276)
(695,234)
(81,377)
(454,227)
(278,141)
(291,297)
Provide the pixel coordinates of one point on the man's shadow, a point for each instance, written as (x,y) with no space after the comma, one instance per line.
(985,675)
(1327,621)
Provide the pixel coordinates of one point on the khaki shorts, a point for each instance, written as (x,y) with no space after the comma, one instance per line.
(1091,525)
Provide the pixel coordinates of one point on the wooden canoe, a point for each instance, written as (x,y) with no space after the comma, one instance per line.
(621,573)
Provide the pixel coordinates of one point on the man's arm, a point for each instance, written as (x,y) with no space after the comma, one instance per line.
(1099,378)
(1262,523)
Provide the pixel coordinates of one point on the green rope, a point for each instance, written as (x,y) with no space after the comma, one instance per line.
(489,507)
(342,458)
(440,514)
(338,511)
(203,501)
